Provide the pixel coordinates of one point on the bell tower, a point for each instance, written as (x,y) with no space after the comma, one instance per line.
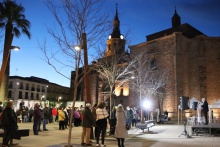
(176,21)
(115,42)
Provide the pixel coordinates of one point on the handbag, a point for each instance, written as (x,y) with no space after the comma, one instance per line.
(127,126)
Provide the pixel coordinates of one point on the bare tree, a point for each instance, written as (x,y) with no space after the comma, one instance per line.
(114,69)
(73,19)
(147,81)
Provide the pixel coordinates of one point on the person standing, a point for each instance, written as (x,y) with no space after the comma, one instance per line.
(205,109)
(61,118)
(31,113)
(54,114)
(41,113)
(101,122)
(46,116)
(9,123)
(87,122)
(134,119)
(76,116)
(120,131)
(66,120)
(37,118)
(94,114)
(50,114)
(129,116)
(24,114)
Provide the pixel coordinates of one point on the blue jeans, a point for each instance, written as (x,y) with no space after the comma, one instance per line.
(129,122)
(36,126)
(45,121)
(25,119)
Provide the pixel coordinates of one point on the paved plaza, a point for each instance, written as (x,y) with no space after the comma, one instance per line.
(161,135)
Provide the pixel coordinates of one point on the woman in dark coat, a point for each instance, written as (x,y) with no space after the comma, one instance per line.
(120,131)
(9,123)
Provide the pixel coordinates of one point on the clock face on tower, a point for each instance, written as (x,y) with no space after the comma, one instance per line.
(109,37)
(121,36)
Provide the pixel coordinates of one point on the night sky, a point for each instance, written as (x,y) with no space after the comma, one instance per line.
(142,17)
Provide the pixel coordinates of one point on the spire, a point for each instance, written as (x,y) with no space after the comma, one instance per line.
(176,19)
(116,25)
(116,14)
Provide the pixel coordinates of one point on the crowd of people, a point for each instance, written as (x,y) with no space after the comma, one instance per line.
(90,118)
(96,117)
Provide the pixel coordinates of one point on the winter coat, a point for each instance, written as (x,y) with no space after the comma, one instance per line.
(37,113)
(120,130)
(88,118)
(9,119)
(76,114)
(46,113)
(54,111)
(128,114)
(61,115)
(101,113)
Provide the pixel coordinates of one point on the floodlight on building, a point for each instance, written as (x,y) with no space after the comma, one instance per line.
(147,104)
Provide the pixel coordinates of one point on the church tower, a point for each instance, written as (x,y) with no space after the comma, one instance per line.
(176,20)
(115,42)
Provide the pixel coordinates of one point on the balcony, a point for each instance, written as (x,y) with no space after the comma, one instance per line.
(27,88)
(32,89)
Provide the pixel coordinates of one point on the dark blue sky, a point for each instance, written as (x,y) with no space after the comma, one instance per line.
(143,17)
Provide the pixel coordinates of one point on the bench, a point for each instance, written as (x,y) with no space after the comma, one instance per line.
(164,119)
(18,134)
(147,125)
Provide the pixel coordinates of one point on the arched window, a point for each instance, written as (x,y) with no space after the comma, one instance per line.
(153,64)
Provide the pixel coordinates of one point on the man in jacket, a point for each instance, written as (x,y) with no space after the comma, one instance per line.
(37,118)
(46,115)
(205,109)
(87,123)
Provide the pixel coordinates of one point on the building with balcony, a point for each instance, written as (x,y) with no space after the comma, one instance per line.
(31,90)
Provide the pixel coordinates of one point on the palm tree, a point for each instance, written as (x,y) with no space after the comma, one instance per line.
(12,18)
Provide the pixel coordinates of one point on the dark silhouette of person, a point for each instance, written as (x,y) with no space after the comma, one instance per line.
(9,123)
(205,109)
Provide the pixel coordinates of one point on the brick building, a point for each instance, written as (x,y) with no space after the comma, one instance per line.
(191,59)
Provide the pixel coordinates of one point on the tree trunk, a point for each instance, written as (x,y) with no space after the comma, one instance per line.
(110,105)
(5,68)
(72,110)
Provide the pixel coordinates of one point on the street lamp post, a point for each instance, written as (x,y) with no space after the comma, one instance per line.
(86,67)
